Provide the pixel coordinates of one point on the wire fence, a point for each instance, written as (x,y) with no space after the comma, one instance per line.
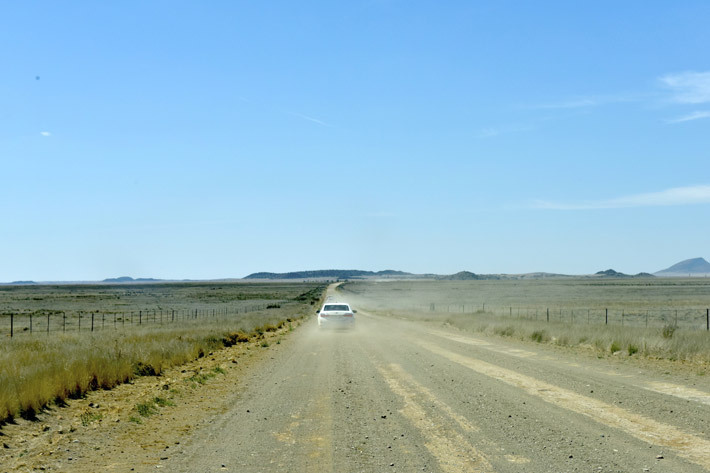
(687,318)
(57,321)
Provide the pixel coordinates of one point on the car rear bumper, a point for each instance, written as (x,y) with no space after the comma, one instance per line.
(336,322)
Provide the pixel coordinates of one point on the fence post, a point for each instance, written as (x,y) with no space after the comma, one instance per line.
(173,315)
(707,319)
(647,319)
(548,314)
(92,321)
(140,317)
(47,323)
(30,323)
(64,321)
(12,325)
(622,318)
(103,320)
(80,321)
(606,316)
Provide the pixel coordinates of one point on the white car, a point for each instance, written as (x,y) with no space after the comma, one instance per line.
(336,314)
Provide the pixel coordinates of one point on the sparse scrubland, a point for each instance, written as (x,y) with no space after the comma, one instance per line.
(518,309)
(662,343)
(41,369)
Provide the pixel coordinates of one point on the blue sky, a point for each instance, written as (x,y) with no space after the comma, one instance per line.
(214,139)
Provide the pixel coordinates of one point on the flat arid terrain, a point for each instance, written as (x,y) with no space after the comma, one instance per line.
(400,392)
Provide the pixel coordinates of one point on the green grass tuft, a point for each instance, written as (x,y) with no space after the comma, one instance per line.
(146,409)
(88,417)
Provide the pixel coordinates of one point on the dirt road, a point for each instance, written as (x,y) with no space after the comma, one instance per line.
(390,395)
(398,396)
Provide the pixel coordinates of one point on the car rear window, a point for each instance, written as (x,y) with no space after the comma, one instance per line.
(336,307)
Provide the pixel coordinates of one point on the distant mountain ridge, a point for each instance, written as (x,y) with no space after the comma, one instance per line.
(130,279)
(468,276)
(327,273)
(360,274)
(610,273)
(693,266)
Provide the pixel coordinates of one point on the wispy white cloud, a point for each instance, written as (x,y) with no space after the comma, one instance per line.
(675,196)
(492,132)
(688,87)
(45,133)
(488,132)
(691,116)
(310,119)
(588,101)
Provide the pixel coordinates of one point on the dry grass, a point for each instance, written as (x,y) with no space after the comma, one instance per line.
(687,341)
(682,345)
(42,370)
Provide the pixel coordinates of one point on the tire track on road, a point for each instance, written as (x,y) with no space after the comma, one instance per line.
(686,445)
(451,449)
(669,389)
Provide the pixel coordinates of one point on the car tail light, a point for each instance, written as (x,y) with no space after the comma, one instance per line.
(349,314)
(323,314)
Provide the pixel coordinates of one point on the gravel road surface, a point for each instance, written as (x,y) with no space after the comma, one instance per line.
(393,395)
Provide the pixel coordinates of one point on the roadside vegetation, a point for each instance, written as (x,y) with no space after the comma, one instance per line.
(518,309)
(665,343)
(49,369)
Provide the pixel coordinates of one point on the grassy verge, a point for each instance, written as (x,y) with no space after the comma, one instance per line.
(668,337)
(667,343)
(40,371)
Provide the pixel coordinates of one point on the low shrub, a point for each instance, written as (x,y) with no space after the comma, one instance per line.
(146,409)
(88,417)
(668,331)
(539,336)
(234,337)
(162,402)
(506,331)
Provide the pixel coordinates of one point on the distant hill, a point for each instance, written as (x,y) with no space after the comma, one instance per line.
(19,283)
(463,276)
(327,274)
(129,279)
(610,273)
(689,267)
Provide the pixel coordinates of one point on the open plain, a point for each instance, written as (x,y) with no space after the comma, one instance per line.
(398,393)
